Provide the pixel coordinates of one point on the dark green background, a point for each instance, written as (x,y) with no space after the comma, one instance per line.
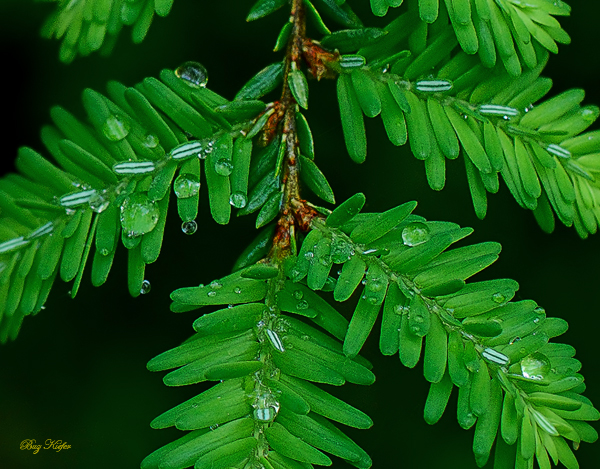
(77,371)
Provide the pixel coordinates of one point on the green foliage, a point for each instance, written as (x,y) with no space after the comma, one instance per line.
(113,181)
(451,79)
(86,26)
(446,105)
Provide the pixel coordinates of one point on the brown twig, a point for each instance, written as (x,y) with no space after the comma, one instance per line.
(294,212)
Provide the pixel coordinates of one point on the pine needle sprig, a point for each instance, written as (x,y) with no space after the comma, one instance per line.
(111,180)
(86,26)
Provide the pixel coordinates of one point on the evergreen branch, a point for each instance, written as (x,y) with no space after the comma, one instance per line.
(113,181)
(265,410)
(86,26)
(538,150)
(495,29)
(511,379)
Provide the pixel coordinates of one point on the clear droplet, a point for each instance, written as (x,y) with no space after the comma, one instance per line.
(146,287)
(212,293)
(186,185)
(535,366)
(371,300)
(214,427)
(375,284)
(515,340)
(139,215)
(264,415)
(207,148)
(150,141)
(415,233)
(238,200)
(237,290)
(340,250)
(98,203)
(189,227)
(116,128)
(193,74)
(302,305)
(298,294)
(540,310)
(223,167)
(215,285)
(498,298)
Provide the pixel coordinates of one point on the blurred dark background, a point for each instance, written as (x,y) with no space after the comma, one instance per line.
(77,371)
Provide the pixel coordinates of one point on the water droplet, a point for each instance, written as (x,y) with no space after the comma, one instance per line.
(196,405)
(302,305)
(116,128)
(150,141)
(189,227)
(309,255)
(498,298)
(298,294)
(98,203)
(146,287)
(375,284)
(104,252)
(214,427)
(515,340)
(237,290)
(536,320)
(372,300)
(215,285)
(139,215)
(186,185)
(264,415)
(535,366)
(539,310)
(212,293)
(340,250)
(414,234)
(238,200)
(223,167)
(193,74)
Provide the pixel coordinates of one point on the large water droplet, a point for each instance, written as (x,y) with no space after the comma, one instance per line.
(535,366)
(498,298)
(139,215)
(302,305)
(375,284)
(212,293)
(98,203)
(150,141)
(238,200)
(116,128)
(186,185)
(189,227)
(264,414)
(215,285)
(414,234)
(146,287)
(223,167)
(340,251)
(193,74)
